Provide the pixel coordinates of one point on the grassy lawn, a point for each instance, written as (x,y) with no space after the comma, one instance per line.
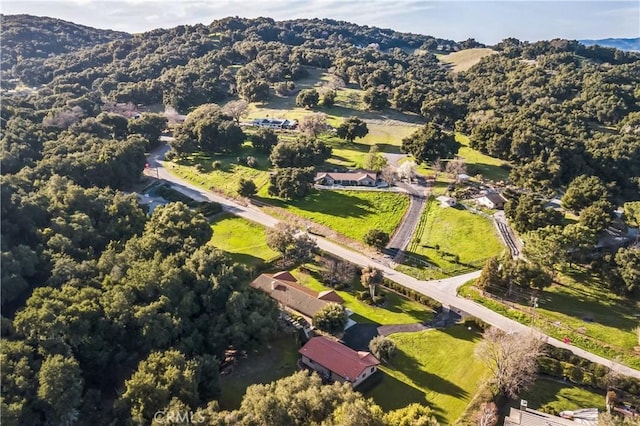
(227,176)
(435,368)
(272,362)
(397,309)
(584,310)
(244,241)
(465,59)
(445,233)
(487,166)
(561,396)
(351,213)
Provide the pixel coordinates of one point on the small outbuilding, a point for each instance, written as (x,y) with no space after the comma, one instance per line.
(446,201)
(492,200)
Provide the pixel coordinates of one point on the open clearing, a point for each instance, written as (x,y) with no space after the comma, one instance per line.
(436,368)
(244,241)
(397,309)
(351,213)
(226,177)
(453,240)
(465,59)
(487,166)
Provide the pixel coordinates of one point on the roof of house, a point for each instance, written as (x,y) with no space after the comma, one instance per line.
(340,359)
(494,197)
(330,296)
(346,176)
(284,288)
(531,417)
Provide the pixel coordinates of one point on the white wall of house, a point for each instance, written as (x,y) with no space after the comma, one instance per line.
(363,376)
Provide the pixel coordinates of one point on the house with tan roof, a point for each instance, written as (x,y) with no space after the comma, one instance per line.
(492,200)
(285,289)
(356,178)
(337,362)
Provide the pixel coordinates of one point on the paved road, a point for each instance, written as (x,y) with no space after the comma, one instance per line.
(402,237)
(440,290)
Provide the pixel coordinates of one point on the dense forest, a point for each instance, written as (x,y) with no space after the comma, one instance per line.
(91,283)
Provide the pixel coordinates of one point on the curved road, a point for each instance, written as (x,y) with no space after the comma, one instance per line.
(444,291)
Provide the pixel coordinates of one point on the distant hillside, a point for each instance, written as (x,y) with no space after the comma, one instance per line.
(628,44)
(27,36)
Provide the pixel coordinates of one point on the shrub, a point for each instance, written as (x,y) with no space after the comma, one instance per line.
(376,238)
(246,188)
(216,165)
(383,348)
(331,318)
(200,168)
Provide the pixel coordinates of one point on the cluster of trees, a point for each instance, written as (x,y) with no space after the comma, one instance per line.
(314,403)
(159,298)
(295,162)
(208,129)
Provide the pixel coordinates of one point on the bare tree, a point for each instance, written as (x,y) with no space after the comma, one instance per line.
(336,272)
(511,358)
(236,109)
(456,167)
(388,175)
(438,166)
(371,277)
(487,414)
(313,124)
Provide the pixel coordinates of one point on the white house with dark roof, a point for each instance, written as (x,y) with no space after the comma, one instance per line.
(492,200)
(357,178)
(275,123)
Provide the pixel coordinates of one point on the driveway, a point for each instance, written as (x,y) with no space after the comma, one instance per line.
(418,194)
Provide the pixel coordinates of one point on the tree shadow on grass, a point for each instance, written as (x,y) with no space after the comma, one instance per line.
(462,332)
(391,393)
(335,203)
(245,259)
(424,379)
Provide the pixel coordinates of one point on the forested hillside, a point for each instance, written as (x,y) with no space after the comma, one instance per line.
(25,36)
(104,301)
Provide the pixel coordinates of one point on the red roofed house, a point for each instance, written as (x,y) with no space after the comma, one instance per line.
(284,288)
(337,361)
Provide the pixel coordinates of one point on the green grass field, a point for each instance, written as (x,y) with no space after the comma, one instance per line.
(465,59)
(450,232)
(244,241)
(583,309)
(351,213)
(558,396)
(397,309)
(487,166)
(225,178)
(435,368)
(274,361)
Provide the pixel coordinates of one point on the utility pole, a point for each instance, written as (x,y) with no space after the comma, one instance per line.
(534,305)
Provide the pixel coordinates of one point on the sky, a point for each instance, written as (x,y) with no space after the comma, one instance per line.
(486,21)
